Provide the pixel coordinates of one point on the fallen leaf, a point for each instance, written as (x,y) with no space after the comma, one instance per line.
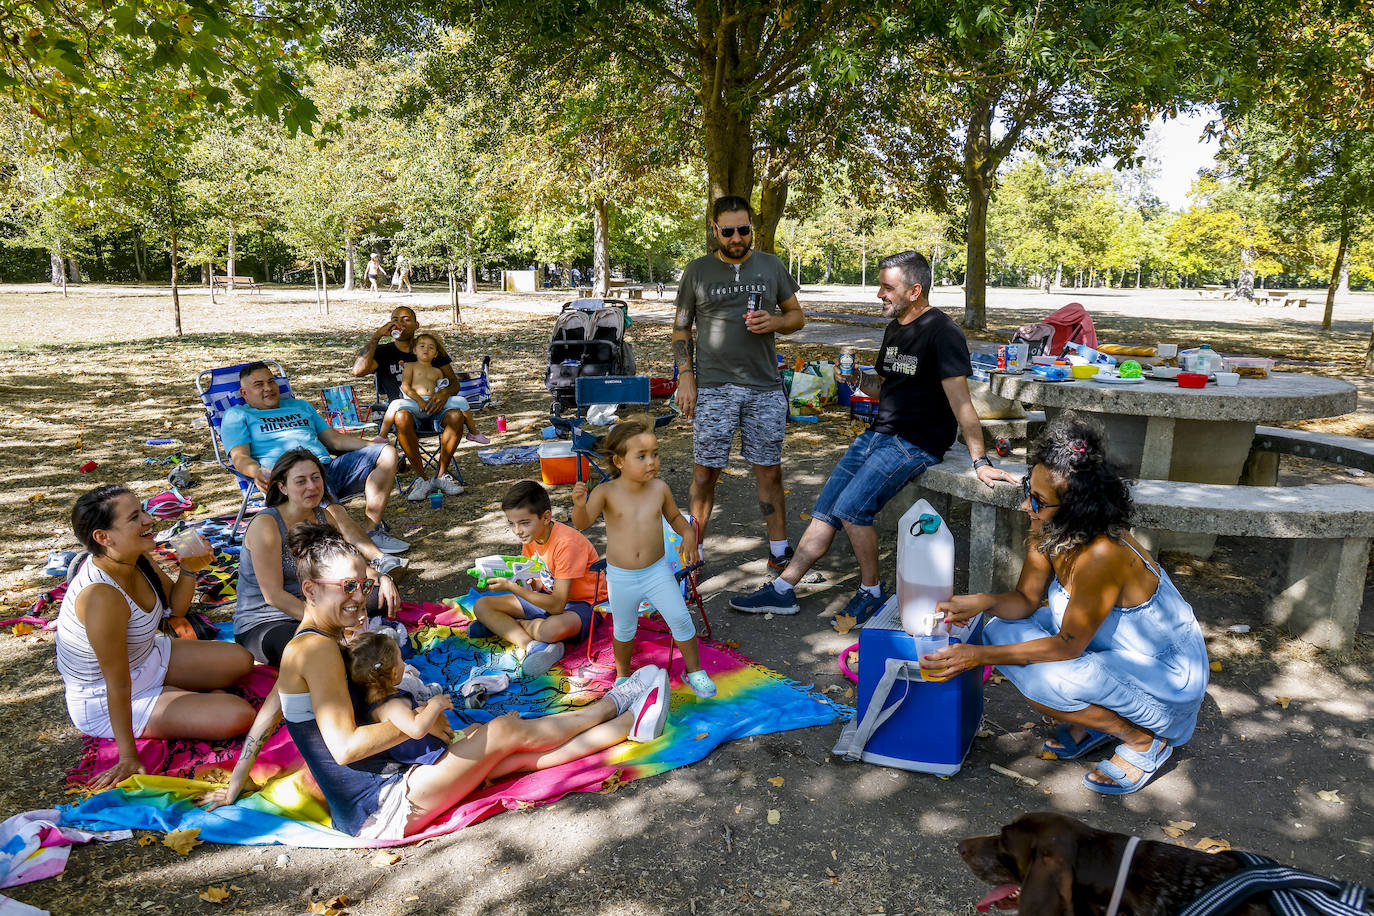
(738,807)
(1215,666)
(214,894)
(21,629)
(183,841)
(612,783)
(1331,795)
(833,856)
(1282,701)
(984,733)
(777,780)
(384,859)
(701,735)
(830,872)
(1176,829)
(844,623)
(1208,844)
(997,679)
(774,815)
(1048,755)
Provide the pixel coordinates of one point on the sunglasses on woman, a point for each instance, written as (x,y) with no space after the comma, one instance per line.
(729,231)
(1035,504)
(351,586)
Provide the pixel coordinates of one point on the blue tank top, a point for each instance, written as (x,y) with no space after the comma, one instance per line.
(412,750)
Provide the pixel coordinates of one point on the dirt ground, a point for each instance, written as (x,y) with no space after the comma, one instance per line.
(94,376)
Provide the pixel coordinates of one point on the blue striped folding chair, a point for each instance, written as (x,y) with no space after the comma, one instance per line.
(219,390)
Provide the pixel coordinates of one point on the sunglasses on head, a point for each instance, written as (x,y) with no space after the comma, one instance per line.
(350,586)
(1035,504)
(729,231)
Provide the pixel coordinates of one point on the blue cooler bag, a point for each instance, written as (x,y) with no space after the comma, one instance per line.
(903,721)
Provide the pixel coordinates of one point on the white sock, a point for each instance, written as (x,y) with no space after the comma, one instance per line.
(778,548)
(874,590)
(782,586)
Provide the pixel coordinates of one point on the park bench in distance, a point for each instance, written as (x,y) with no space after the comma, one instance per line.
(226,283)
(1315,594)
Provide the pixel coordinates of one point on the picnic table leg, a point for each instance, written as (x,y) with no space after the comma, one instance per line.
(1157,455)
(1319,599)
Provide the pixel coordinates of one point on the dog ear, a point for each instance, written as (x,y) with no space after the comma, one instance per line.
(1047,888)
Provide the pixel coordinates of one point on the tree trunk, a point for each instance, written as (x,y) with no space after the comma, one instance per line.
(1336,271)
(1045,281)
(73,271)
(231,266)
(979,171)
(350,252)
(472,265)
(324,282)
(728,139)
(262,253)
(139,267)
(863,262)
(649,263)
(1245,279)
(176,294)
(315,276)
(209,271)
(772,202)
(830,267)
(601,248)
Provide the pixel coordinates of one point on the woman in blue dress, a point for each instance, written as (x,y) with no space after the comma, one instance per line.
(1116,653)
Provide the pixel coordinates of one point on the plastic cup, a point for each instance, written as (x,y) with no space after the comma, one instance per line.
(1167,351)
(194,553)
(436,499)
(929,645)
(501,423)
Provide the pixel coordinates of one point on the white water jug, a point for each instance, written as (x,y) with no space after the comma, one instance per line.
(925,567)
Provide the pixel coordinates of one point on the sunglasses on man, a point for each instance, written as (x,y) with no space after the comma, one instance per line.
(729,231)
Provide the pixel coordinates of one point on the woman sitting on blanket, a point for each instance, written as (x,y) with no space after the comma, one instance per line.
(375,798)
(1117,654)
(270,600)
(124,678)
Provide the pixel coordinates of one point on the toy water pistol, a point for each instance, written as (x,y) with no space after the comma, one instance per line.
(520,570)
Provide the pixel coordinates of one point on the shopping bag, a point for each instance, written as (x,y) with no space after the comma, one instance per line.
(807,394)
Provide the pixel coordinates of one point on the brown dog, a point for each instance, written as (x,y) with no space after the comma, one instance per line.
(1047,864)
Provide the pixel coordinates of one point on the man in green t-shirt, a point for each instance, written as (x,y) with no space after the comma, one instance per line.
(737,298)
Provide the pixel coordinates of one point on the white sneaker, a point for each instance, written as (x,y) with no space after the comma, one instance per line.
(386,563)
(629,690)
(446,483)
(419,489)
(651,710)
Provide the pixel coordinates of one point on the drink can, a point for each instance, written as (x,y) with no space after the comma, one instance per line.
(755,304)
(395,333)
(847,362)
(501,423)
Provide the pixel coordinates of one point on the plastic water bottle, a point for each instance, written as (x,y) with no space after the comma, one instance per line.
(925,567)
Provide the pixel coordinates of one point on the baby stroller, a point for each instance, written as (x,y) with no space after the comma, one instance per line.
(588,340)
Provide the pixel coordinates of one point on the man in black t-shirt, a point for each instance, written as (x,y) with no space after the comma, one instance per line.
(385,355)
(923,401)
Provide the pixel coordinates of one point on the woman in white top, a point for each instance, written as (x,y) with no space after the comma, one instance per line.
(124,678)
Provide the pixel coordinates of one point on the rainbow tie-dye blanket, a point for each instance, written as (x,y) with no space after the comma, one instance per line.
(752,700)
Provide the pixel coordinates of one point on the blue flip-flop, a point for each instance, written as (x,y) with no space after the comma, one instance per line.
(1148,764)
(1072,750)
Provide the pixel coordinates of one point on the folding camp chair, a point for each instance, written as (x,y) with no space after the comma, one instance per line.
(219,390)
(342,412)
(604,390)
(686,575)
(476,389)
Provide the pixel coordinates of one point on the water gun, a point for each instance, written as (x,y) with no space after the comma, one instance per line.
(521,570)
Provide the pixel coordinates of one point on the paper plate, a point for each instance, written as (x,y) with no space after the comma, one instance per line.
(1117,380)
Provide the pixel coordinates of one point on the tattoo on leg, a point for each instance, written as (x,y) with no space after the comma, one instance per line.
(766,508)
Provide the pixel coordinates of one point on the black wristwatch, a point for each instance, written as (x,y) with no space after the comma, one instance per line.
(982,462)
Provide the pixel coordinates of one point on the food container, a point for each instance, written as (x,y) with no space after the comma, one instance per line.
(1192,380)
(558,465)
(1248,366)
(1041,360)
(1085,371)
(1227,379)
(1166,372)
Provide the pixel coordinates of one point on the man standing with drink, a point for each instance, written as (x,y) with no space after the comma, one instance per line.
(737,299)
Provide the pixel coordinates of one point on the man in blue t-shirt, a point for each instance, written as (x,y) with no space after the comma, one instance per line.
(267,426)
(923,401)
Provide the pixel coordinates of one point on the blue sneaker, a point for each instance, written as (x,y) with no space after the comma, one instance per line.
(478,630)
(767,600)
(863,605)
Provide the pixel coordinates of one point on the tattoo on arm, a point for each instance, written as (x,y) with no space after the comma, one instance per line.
(1067,637)
(682,353)
(367,349)
(766,508)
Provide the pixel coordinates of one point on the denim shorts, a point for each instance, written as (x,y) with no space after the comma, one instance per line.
(582,609)
(346,474)
(874,470)
(430,422)
(760,415)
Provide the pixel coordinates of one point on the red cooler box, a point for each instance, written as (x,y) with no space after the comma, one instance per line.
(558,465)
(923,726)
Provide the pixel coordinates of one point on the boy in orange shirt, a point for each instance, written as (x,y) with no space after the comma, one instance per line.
(537,621)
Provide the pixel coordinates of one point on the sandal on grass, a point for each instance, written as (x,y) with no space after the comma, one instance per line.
(1071,750)
(1148,763)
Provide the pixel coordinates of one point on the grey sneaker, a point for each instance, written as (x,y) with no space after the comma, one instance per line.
(539,658)
(419,489)
(446,483)
(767,600)
(385,541)
(632,689)
(386,563)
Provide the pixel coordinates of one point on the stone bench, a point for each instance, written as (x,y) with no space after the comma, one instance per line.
(1262,467)
(1027,427)
(1319,589)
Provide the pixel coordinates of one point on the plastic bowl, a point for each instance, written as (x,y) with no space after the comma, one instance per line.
(1085,371)
(1192,380)
(1228,379)
(1165,372)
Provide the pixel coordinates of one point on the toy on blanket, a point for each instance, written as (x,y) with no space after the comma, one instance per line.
(520,570)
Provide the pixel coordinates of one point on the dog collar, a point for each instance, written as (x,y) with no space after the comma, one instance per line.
(1121,874)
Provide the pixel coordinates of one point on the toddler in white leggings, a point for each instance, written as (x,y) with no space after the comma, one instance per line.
(636,503)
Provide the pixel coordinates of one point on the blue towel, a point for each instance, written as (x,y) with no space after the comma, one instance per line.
(511,454)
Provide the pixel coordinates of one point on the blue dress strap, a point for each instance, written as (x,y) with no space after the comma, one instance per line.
(315,631)
(1152,567)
